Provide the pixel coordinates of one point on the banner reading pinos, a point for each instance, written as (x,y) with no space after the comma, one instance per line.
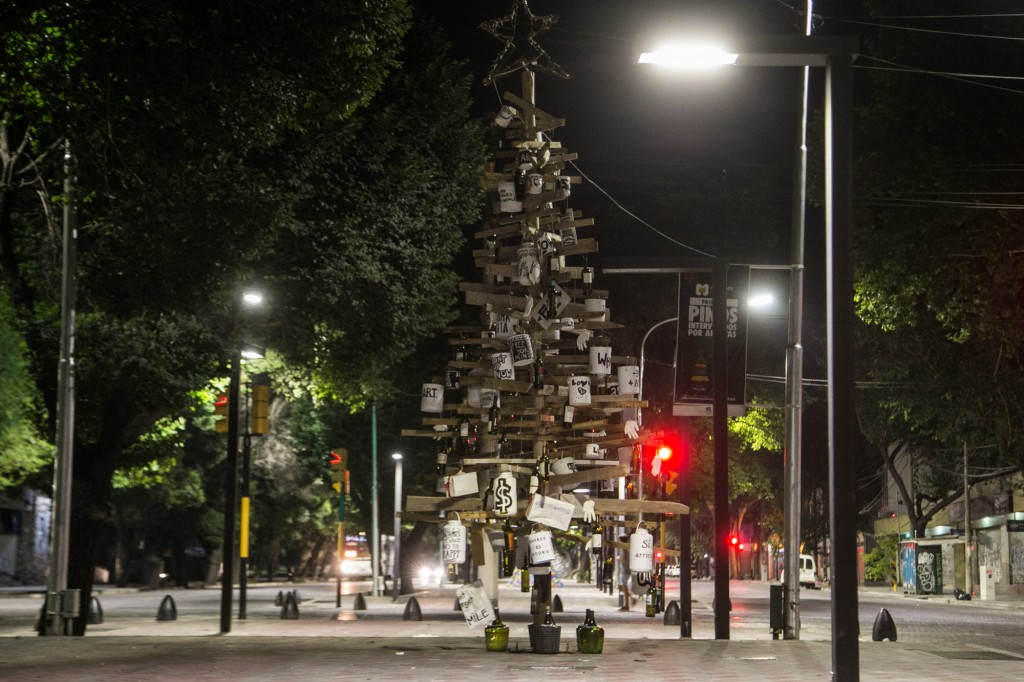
(693,385)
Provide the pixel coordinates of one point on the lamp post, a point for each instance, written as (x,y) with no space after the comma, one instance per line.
(247,352)
(685,536)
(396,554)
(250,298)
(835,54)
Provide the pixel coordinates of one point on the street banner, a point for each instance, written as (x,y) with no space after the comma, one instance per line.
(694,389)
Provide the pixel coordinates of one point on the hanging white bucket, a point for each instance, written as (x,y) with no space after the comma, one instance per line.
(504,326)
(593,451)
(505,116)
(534,183)
(501,364)
(600,359)
(503,492)
(541,547)
(563,465)
(579,390)
(507,197)
(641,551)
(629,379)
(521,348)
(528,267)
(593,306)
(453,542)
(432,398)
(481,397)
(568,236)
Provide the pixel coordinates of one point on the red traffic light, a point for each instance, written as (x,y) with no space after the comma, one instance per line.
(665,453)
(734,540)
(659,556)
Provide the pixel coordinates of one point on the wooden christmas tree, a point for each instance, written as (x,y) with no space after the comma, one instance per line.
(535,402)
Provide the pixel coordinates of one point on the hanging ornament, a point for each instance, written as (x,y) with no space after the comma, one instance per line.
(542,550)
(600,359)
(503,492)
(432,398)
(629,379)
(453,542)
(641,551)
(579,390)
(530,56)
(521,348)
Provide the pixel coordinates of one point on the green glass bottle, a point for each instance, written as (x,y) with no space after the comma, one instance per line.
(651,601)
(496,634)
(524,580)
(589,635)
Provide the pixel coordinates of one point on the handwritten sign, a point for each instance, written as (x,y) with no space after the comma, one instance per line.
(476,606)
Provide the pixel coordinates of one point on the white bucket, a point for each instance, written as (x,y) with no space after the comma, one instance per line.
(541,548)
(563,465)
(595,305)
(507,197)
(641,552)
(501,364)
(600,359)
(503,492)
(453,542)
(521,348)
(629,379)
(579,390)
(432,398)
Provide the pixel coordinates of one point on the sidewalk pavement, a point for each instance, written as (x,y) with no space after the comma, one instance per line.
(326,643)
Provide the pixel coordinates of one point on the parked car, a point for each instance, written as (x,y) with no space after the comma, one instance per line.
(808,573)
(672,571)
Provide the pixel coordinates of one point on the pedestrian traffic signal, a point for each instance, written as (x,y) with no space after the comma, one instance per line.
(734,541)
(220,409)
(260,408)
(659,556)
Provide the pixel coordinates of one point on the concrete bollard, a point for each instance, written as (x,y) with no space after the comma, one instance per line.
(884,627)
(95,616)
(167,610)
(673,614)
(290,609)
(359,604)
(412,610)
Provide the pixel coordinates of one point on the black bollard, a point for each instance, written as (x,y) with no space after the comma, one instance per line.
(295,593)
(456,606)
(167,611)
(412,610)
(359,604)
(279,600)
(884,627)
(290,610)
(95,616)
(673,614)
(556,604)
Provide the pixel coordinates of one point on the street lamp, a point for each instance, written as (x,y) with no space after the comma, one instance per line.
(248,300)
(835,54)
(396,578)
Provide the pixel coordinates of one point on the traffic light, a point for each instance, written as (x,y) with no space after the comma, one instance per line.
(260,408)
(734,542)
(220,409)
(659,556)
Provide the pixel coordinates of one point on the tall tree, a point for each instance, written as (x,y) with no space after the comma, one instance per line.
(218,143)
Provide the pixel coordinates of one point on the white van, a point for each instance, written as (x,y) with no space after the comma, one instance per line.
(808,573)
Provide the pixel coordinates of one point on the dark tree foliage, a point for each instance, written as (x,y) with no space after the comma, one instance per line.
(217,144)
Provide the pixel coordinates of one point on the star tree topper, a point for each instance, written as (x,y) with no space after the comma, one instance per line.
(532,56)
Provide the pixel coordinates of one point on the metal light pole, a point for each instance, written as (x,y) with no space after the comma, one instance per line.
(61,605)
(230,493)
(374,502)
(396,555)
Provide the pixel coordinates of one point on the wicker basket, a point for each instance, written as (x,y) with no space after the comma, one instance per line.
(544,639)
